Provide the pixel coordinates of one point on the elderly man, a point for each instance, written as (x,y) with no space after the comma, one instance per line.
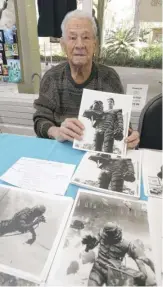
(62,86)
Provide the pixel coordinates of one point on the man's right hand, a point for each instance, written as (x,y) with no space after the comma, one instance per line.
(69,130)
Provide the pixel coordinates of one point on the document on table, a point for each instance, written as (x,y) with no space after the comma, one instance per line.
(40,175)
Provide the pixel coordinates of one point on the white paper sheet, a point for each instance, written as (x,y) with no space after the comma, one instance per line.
(40,175)
(139,93)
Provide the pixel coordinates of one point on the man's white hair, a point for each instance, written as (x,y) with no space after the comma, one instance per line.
(80,15)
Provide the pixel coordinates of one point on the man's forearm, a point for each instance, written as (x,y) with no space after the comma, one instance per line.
(42,127)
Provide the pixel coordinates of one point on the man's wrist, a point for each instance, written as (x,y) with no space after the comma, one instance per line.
(53,132)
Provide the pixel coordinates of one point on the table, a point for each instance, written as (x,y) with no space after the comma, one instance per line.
(13,147)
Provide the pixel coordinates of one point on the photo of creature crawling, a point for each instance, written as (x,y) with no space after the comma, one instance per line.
(24,221)
(109,172)
(30,228)
(107,244)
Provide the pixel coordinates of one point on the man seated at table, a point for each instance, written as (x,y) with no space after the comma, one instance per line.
(61,88)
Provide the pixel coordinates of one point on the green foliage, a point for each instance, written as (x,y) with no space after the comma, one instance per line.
(121,42)
(143,35)
(149,57)
(120,50)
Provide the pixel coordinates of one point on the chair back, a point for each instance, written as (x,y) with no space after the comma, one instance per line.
(150,124)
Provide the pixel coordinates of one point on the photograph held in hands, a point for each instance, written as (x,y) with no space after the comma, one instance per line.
(106,118)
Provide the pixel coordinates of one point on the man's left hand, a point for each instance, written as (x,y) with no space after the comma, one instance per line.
(133,140)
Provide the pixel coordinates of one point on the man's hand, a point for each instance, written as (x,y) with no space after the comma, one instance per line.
(70,129)
(133,140)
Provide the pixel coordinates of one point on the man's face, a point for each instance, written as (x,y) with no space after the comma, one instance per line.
(110,104)
(79,42)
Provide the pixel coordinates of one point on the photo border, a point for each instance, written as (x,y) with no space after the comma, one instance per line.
(44,273)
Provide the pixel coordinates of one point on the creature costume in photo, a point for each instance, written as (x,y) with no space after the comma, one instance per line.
(114,171)
(108,126)
(108,267)
(24,221)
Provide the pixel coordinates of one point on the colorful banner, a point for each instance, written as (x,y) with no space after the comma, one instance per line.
(10,70)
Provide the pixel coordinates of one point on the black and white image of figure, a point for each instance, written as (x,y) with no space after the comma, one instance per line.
(110,173)
(106,119)
(106,243)
(30,228)
(152,173)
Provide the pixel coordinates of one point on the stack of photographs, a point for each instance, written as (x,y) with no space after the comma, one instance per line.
(106,243)
(107,166)
(31,226)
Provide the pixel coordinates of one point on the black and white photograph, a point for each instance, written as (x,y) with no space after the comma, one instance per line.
(106,243)
(1,47)
(106,118)
(152,166)
(110,173)
(31,225)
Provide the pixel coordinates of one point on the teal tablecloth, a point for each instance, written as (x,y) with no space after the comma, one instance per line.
(13,147)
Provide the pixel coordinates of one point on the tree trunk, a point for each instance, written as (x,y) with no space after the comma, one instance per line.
(136,19)
(100,18)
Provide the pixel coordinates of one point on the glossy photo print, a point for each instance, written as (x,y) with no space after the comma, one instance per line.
(110,173)
(106,243)
(105,117)
(31,225)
